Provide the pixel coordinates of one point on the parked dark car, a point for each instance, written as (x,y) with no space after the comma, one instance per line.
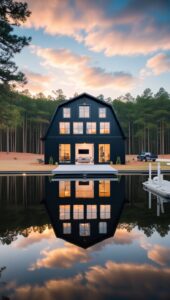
(147,156)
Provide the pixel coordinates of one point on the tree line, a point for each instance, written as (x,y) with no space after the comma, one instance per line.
(24,120)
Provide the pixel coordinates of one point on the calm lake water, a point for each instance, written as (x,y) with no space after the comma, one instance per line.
(82,239)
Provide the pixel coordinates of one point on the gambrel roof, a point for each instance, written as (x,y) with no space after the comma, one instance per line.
(78,97)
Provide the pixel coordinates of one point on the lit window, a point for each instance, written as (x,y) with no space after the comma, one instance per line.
(85,189)
(84,229)
(102,112)
(78,128)
(105,211)
(64,189)
(91,211)
(91,127)
(78,212)
(66,113)
(64,127)
(84,111)
(104,153)
(104,188)
(64,153)
(102,227)
(64,212)
(66,228)
(104,127)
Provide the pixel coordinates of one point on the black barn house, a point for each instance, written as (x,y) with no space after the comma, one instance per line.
(84,130)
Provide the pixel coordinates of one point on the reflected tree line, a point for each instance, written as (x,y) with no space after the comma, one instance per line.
(24,119)
(22,211)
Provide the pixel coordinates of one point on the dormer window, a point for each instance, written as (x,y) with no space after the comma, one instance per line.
(84,111)
(66,112)
(102,112)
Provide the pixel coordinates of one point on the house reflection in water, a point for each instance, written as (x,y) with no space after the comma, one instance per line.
(85,212)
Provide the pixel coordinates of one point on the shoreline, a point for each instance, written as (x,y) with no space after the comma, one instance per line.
(15,163)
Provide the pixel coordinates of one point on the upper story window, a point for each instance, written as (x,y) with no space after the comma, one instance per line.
(64,127)
(84,111)
(105,212)
(102,227)
(78,212)
(105,127)
(84,229)
(66,228)
(66,113)
(91,211)
(64,212)
(78,127)
(102,112)
(91,127)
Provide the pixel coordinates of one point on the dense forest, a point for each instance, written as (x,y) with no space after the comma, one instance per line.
(25,118)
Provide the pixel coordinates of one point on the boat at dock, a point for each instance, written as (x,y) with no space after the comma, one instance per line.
(157,184)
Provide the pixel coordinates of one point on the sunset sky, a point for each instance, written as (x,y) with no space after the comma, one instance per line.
(99,47)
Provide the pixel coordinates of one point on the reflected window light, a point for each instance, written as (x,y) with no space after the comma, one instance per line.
(66,228)
(102,227)
(91,211)
(85,190)
(64,212)
(84,229)
(64,189)
(105,211)
(78,212)
(104,188)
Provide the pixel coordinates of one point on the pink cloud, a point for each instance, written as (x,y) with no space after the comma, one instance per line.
(78,69)
(159,63)
(37,82)
(61,257)
(130,31)
(34,238)
(159,254)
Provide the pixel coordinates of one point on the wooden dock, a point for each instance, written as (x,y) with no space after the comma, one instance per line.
(85,170)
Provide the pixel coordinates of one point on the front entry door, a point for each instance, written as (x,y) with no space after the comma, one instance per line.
(84,153)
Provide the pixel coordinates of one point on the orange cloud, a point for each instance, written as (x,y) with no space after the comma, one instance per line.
(61,257)
(159,63)
(37,82)
(34,238)
(159,254)
(111,281)
(122,236)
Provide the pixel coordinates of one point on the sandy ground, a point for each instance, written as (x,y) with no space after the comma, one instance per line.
(29,162)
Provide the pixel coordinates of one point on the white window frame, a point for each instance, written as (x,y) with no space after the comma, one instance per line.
(77,126)
(84,114)
(66,112)
(102,114)
(105,211)
(63,125)
(92,127)
(104,126)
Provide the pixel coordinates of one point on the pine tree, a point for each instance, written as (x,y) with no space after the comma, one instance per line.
(12,14)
